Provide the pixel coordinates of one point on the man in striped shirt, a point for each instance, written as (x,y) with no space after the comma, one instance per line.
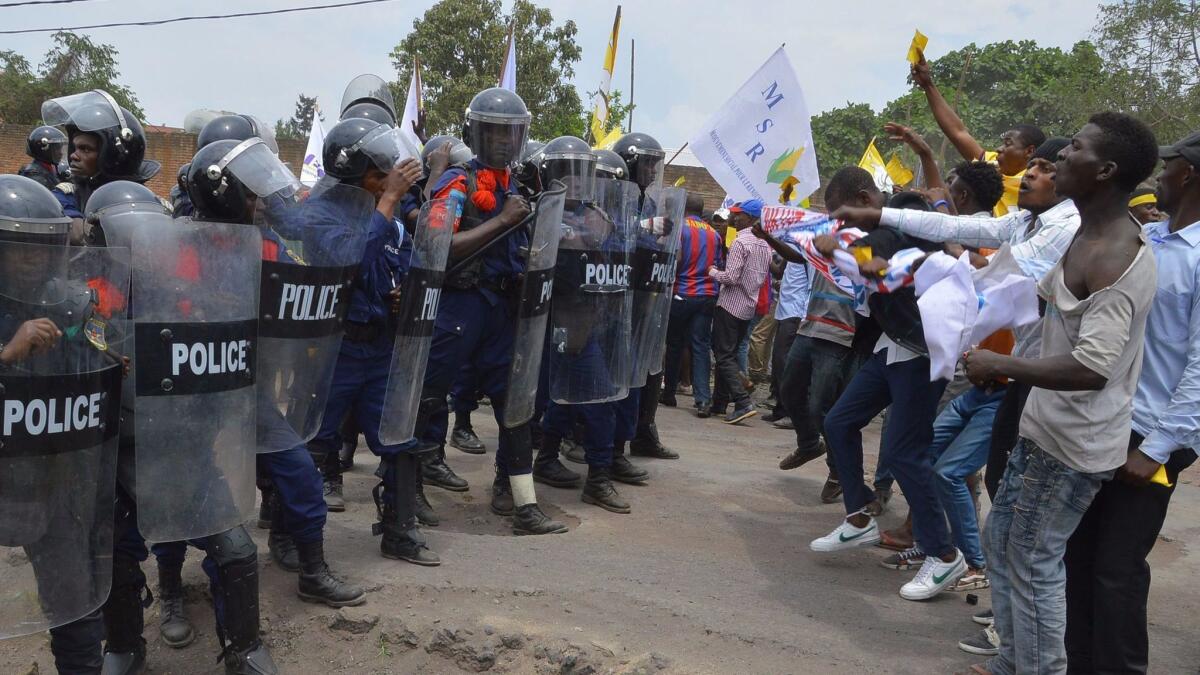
(743,276)
(692,307)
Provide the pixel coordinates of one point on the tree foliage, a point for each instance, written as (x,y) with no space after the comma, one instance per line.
(72,64)
(461,45)
(301,122)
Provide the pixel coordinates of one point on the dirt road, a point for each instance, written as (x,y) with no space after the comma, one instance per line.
(710,574)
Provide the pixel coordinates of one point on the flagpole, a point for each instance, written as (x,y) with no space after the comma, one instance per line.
(677,153)
(631,59)
(417,74)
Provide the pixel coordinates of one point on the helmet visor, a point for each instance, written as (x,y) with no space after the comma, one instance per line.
(386,147)
(89,111)
(648,168)
(259,169)
(497,144)
(370,88)
(33,273)
(576,171)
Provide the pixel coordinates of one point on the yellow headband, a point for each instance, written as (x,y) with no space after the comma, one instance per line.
(1143,199)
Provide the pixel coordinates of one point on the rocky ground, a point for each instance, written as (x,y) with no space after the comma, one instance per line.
(710,574)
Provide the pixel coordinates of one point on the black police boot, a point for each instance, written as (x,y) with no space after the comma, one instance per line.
(548,469)
(425,513)
(624,470)
(243,650)
(529,519)
(173,627)
(463,435)
(124,648)
(599,491)
(435,472)
(397,515)
(280,543)
(318,584)
(573,451)
(264,509)
(647,444)
(502,497)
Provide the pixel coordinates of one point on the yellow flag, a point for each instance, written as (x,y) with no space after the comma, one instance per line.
(919,42)
(600,103)
(679,181)
(900,174)
(605,142)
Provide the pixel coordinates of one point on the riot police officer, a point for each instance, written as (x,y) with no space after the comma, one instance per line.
(46,147)
(476,322)
(105,143)
(365,153)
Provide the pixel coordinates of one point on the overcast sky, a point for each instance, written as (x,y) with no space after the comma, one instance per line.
(691,54)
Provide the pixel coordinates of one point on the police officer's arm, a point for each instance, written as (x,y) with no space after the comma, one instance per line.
(32,337)
(465,243)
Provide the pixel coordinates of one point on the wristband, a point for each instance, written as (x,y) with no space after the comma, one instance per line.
(940,203)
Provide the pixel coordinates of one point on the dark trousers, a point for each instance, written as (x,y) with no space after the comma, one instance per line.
(1005,431)
(727,332)
(905,386)
(785,334)
(814,375)
(1108,578)
(690,325)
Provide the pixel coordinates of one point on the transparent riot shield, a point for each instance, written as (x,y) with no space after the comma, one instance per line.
(590,354)
(303,300)
(419,299)
(195,335)
(652,277)
(59,421)
(533,308)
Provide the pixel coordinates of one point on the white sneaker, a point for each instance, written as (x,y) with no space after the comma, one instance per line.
(847,536)
(934,577)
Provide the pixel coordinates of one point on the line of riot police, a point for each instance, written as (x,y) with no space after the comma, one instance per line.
(158,361)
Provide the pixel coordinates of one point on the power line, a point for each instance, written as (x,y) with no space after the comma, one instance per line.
(39,2)
(179,19)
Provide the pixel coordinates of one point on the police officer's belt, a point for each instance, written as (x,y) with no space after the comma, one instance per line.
(501,285)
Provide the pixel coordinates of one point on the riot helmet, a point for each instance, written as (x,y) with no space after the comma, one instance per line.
(227,177)
(181,176)
(369,111)
(610,165)
(115,207)
(372,89)
(353,145)
(645,158)
(47,144)
(496,126)
(570,161)
(33,238)
(459,152)
(528,173)
(121,137)
(236,128)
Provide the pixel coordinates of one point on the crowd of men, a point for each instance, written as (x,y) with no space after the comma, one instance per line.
(160,360)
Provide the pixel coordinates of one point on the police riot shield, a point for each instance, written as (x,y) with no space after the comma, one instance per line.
(652,276)
(195,332)
(533,308)
(303,300)
(59,419)
(589,357)
(419,298)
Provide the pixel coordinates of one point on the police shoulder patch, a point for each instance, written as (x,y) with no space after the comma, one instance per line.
(66,187)
(94,329)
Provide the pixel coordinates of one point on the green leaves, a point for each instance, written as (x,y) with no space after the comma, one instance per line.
(73,64)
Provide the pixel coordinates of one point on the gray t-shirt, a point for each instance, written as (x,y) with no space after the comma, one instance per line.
(830,314)
(1089,430)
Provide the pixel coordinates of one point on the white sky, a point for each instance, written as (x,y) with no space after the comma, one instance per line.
(691,54)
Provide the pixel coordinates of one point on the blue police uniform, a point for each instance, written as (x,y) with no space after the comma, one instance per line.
(475,325)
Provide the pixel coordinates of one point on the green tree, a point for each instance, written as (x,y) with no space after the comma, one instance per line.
(301,122)
(840,136)
(618,112)
(72,65)
(461,45)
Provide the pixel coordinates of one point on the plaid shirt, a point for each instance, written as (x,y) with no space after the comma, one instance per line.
(745,270)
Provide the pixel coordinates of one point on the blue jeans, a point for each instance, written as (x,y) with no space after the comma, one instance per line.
(962,434)
(904,451)
(1038,506)
(691,324)
(743,349)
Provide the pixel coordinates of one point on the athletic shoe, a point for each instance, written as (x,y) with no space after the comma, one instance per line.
(973,580)
(985,643)
(984,618)
(907,559)
(934,577)
(739,414)
(847,536)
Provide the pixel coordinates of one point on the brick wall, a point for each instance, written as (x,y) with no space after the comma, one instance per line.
(170,148)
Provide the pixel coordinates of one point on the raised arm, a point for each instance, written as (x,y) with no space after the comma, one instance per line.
(947,119)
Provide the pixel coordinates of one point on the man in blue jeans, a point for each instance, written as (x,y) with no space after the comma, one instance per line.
(692,307)
(1075,427)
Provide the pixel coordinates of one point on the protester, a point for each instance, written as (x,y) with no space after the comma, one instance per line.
(790,310)
(1143,206)
(1074,425)
(743,276)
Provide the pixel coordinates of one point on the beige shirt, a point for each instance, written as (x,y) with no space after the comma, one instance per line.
(1089,430)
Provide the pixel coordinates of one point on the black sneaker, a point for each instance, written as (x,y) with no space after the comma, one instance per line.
(703,412)
(773,417)
(831,491)
(667,399)
(744,412)
(985,643)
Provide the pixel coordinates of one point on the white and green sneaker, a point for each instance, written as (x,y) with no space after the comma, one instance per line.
(847,536)
(934,577)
